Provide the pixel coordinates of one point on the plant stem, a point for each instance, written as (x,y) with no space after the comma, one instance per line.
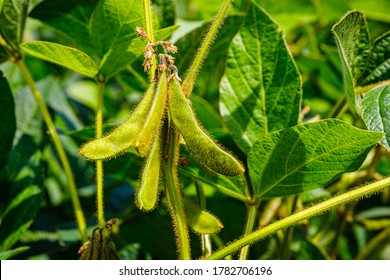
(307,213)
(250,222)
(205,238)
(173,194)
(60,149)
(203,51)
(99,163)
(285,251)
(150,33)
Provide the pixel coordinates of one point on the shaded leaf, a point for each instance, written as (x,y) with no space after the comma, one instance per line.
(123,54)
(378,66)
(7,120)
(70,58)
(25,195)
(307,156)
(11,253)
(375,112)
(353,43)
(261,89)
(12,21)
(70,17)
(231,186)
(113,23)
(165,11)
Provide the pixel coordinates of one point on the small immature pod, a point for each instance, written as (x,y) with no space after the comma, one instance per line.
(121,137)
(201,221)
(147,194)
(155,117)
(202,148)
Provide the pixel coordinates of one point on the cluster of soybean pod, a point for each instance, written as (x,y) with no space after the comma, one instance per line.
(163,102)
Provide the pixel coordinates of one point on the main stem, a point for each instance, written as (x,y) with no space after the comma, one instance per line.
(203,51)
(99,163)
(250,221)
(173,194)
(60,149)
(150,32)
(307,213)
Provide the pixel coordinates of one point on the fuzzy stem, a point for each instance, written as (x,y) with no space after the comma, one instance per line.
(150,33)
(307,213)
(205,238)
(99,163)
(60,149)
(173,194)
(285,250)
(204,49)
(250,222)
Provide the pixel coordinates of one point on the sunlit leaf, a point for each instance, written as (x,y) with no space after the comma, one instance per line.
(307,156)
(261,89)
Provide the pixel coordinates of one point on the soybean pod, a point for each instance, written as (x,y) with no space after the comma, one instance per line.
(154,119)
(201,146)
(123,136)
(147,195)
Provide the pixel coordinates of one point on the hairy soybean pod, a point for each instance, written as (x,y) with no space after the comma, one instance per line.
(155,117)
(147,194)
(203,148)
(123,136)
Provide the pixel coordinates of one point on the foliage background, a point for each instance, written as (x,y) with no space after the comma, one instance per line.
(44,219)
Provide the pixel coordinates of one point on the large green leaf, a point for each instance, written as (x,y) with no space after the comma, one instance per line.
(261,89)
(353,43)
(12,20)
(378,66)
(70,17)
(7,120)
(113,23)
(307,156)
(71,58)
(123,54)
(376,113)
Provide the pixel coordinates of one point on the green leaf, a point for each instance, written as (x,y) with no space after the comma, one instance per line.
(123,54)
(290,16)
(113,23)
(232,186)
(70,17)
(375,112)
(165,11)
(11,253)
(25,195)
(12,20)
(261,89)
(7,120)
(307,156)
(378,66)
(70,58)
(353,43)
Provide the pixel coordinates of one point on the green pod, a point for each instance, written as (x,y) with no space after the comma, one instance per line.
(201,221)
(201,146)
(147,194)
(123,136)
(154,119)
